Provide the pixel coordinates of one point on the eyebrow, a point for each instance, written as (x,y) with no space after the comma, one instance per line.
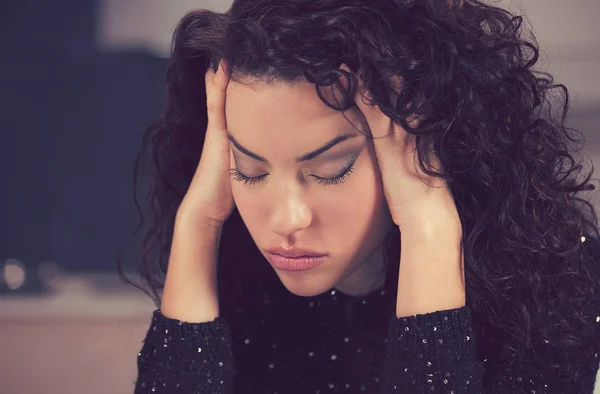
(306,157)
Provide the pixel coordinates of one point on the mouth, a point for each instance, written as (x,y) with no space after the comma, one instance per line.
(296,263)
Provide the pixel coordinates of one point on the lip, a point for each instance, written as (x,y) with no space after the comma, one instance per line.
(294,252)
(295,259)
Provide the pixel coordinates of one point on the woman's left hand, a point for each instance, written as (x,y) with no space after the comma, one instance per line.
(413,197)
(431,269)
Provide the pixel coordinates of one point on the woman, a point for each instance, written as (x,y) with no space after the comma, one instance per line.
(392,199)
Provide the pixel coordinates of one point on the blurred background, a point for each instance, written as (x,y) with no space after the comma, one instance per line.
(80,82)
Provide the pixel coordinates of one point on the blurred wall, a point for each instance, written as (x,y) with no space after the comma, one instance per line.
(71,118)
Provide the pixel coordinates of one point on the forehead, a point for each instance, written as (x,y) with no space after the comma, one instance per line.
(265,110)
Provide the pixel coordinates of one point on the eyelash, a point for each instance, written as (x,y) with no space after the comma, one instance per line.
(323,181)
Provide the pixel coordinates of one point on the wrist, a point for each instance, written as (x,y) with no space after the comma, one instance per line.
(431,232)
(431,270)
(196,222)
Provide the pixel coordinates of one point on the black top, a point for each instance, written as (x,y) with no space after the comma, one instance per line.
(276,342)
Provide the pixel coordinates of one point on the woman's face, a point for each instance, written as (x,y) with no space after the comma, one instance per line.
(329,201)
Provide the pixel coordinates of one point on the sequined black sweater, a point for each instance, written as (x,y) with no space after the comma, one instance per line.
(278,343)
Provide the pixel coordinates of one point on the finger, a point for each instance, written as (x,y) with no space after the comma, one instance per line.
(387,135)
(380,125)
(215,100)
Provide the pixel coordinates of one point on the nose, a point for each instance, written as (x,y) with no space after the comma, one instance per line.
(290,216)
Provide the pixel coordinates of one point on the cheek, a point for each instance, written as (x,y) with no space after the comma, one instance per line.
(251,204)
(360,206)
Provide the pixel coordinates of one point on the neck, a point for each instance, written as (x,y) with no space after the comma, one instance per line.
(370,276)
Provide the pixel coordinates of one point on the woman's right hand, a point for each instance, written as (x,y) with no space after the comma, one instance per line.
(190,293)
(209,198)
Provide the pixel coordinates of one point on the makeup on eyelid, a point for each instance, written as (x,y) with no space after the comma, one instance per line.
(345,155)
(340,175)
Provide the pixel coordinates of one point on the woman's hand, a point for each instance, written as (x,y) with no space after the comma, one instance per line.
(431,262)
(413,197)
(209,198)
(190,293)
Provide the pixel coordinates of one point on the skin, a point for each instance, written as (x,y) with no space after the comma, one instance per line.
(348,221)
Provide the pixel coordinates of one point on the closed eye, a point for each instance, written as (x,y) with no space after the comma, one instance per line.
(238,176)
(336,179)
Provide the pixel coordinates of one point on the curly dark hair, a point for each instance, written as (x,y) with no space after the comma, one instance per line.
(497,125)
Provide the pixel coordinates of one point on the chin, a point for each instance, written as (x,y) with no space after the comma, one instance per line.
(304,287)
